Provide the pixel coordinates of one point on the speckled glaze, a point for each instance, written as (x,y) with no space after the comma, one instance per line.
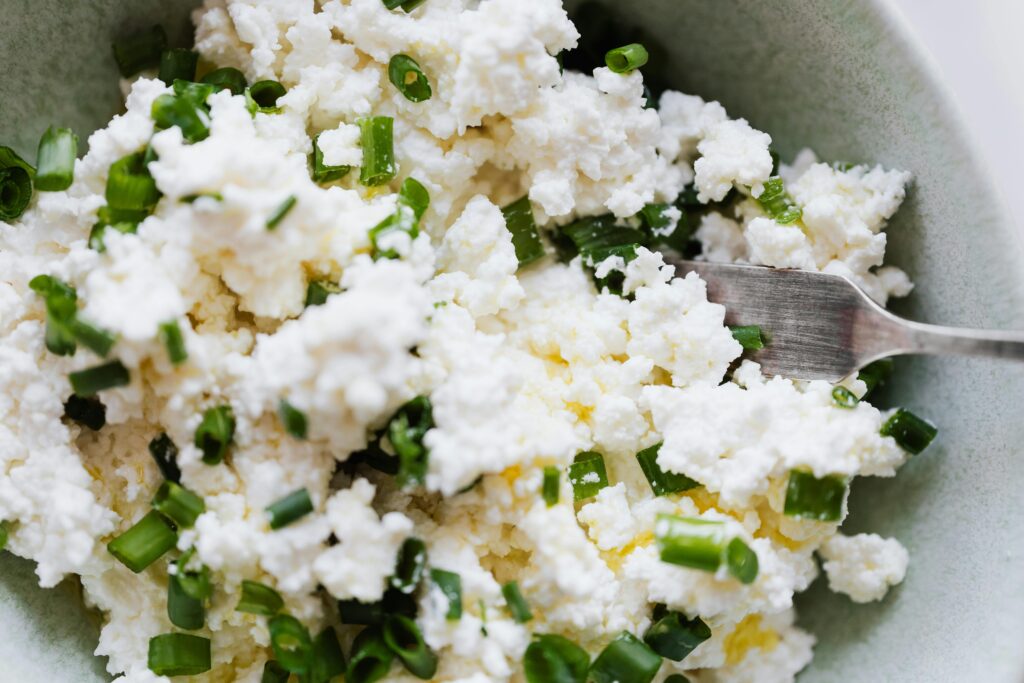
(843,76)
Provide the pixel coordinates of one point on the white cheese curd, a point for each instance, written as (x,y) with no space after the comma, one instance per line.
(421,383)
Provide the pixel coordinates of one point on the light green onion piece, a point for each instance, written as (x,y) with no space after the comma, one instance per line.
(370,658)
(179,654)
(525,237)
(409,565)
(281,212)
(808,497)
(293,419)
(328,661)
(194,582)
(4,534)
(750,337)
(875,375)
(197,92)
(662,482)
(144,543)
(587,475)
(406,431)
(215,433)
(844,398)
(178,64)
(450,584)
(178,504)
(289,509)
(291,642)
(96,340)
(549,487)
(140,51)
(321,172)
(777,203)
(673,636)
(259,598)
(554,659)
(55,161)
(170,335)
(91,381)
(405,74)
(626,58)
(626,658)
(703,544)
(912,433)
(183,610)
(403,637)
(227,78)
(129,184)
(185,113)
(516,603)
(376,135)
(318,290)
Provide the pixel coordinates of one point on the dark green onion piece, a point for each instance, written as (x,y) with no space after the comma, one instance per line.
(406,5)
(214,434)
(549,488)
(554,659)
(86,411)
(626,58)
(361,613)
(844,398)
(227,78)
(657,224)
(376,135)
(183,610)
(598,238)
(875,375)
(96,340)
(178,504)
(197,92)
(677,678)
(912,433)
(749,336)
(15,185)
(673,636)
(322,173)
(450,584)
(525,237)
(741,561)
(4,534)
(777,203)
(318,290)
(265,94)
(662,482)
(808,497)
(170,334)
(11,159)
(125,221)
(140,51)
(165,453)
(144,543)
(258,598)
(281,212)
(406,431)
(129,184)
(626,658)
(293,419)
(185,113)
(194,582)
(289,509)
(91,381)
(409,565)
(55,161)
(274,673)
(370,658)
(179,654)
(415,196)
(517,605)
(291,642)
(178,64)
(587,475)
(328,660)
(403,637)
(406,75)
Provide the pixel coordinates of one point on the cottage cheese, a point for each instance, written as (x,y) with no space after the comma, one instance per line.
(525,367)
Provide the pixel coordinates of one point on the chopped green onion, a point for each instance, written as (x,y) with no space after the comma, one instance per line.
(624,659)
(553,659)
(750,337)
(259,598)
(165,453)
(777,203)
(402,220)
(86,411)
(415,196)
(450,584)
(214,434)
(409,565)
(265,94)
(4,534)
(183,610)
(322,173)
(194,582)
(125,221)
(406,75)
(15,185)
(361,613)
(624,59)
(808,497)
(129,184)
(96,340)
(662,482)
(281,212)
(197,92)
(741,561)
(11,159)
(376,135)
(406,431)
(673,636)
(516,603)
(318,290)
(178,64)
(291,642)
(185,113)
(140,51)
(179,654)
(912,433)
(291,508)
(61,308)
(144,543)
(227,78)
(549,488)
(875,375)
(170,334)
(178,504)
(55,160)
(597,238)
(403,637)
(274,673)
(328,660)
(676,678)
(587,475)
(703,544)
(658,224)
(91,381)
(293,419)
(370,658)
(406,5)
(844,398)
(525,237)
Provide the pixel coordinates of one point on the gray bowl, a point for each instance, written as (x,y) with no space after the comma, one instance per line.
(842,76)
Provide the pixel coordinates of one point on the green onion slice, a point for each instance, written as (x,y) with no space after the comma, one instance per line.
(673,636)
(525,237)
(197,92)
(140,51)
(844,398)
(318,290)
(703,544)
(321,172)
(415,196)
(61,308)
(517,605)
(777,203)
(741,561)
(662,482)
(274,673)
(656,222)
(406,75)
(165,453)
(750,337)
(178,64)
(450,585)
(808,497)
(553,659)
(361,613)
(264,96)
(626,58)
(406,431)
(170,335)
(215,433)
(185,113)
(227,78)
(281,212)
(178,504)
(549,488)
(291,508)
(875,375)
(194,582)
(409,565)
(587,475)
(328,661)
(293,419)
(129,184)
(15,185)
(912,433)
(259,598)
(144,543)
(626,658)
(183,610)
(96,340)
(291,642)
(377,137)
(179,654)
(91,381)
(406,5)
(370,658)
(89,412)
(403,637)
(55,160)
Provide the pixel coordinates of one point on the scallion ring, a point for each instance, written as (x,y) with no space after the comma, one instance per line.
(405,74)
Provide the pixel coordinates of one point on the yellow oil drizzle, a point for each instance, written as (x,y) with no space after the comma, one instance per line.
(747,635)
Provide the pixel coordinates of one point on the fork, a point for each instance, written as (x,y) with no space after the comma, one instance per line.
(822,326)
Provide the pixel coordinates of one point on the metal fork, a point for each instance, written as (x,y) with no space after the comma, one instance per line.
(825,327)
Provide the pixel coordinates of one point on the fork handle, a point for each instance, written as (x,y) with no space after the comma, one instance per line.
(900,337)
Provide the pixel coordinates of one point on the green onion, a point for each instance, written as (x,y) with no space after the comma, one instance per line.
(415,196)
(598,238)
(99,232)
(86,411)
(587,475)
(673,636)
(140,51)
(214,434)
(777,203)
(96,340)
(179,654)
(370,658)
(322,173)
(61,308)
(554,659)
(703,544)
(15,185)
(170,334)
(328,660)
(125,221)
(178,64)
(549,488)
(185,113)
(406,5)
(291,642)
(281,212)
(258,598)
(875,375)
(662,482)
(4,534)
(291,508)
(274,673)
(450,585)
(808,497)
(525,237)
(293,419)
(144,543)
(741,561)
(750,337)
(624,659)
(403,637)
(183,610)
(165,453)
(406,431)
(378,150)
(844,398)
(227,78)
(129,184)
(264,96)
(91,381)
(55,160)
(402,220)
(409,565)
(658,225)
(197,92)
(318,290)
(912,433)
(406,75)
(178,504)
(626,58)
(517,605)
(676,678)
(194,582)
(361,613)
